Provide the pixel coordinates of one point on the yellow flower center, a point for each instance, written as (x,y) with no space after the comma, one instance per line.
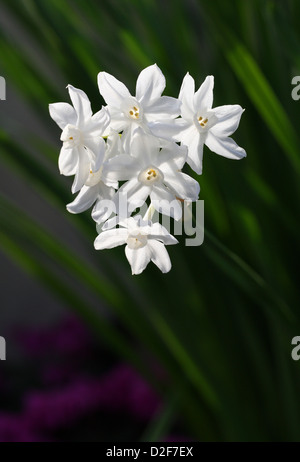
(202,121)
(151,175)
(134,112)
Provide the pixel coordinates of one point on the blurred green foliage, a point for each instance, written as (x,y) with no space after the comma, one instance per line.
(221,322)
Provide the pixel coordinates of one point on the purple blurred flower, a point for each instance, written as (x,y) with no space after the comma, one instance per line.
(70,394)
(122,389)
(68,338)
(14,428)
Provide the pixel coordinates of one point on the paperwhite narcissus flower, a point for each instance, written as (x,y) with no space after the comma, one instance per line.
(201,124)
(97,187)
(128,112)
(145,242)
(81,136)
(153,171)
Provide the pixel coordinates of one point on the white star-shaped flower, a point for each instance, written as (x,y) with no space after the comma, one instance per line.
(207,125)
(128,112)
(145,242)
(153,169)
(82,135)
(201,124)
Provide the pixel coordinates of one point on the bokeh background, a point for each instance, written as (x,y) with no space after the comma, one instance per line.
(204,352)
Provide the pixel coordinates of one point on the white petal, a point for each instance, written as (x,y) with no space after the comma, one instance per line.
(138,198)
(120,124)
(118,120)
(195,152)
(228,120)
(186,95)
(103,209)
(134,193)
(159,232)
(63,114)
(138,258)
(122,167)
(83,170)
(165,202)
(130,196)
(95,150)
(114,144)
(225,147)
(203,98)
(164,108)
(171,158)
(97,146)
(167,130)
(81,104)
(128,135)
(111,223)
(112,90)
(105,179)
(67,161)
(106,192)
(184,186)
(111,238)
(101,117)
(98,124)
(150,84)
(110,184)
(129,186)
(84,199)
(186,131)
(160,256)
(144,147)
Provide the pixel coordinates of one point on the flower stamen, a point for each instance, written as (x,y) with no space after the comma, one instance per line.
(202,122)
(150,175)
(134,112)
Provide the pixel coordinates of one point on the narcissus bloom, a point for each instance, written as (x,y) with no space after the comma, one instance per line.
(81,136)
(128,112)
(145,242)
(153,169)
(97,187)
(201,124)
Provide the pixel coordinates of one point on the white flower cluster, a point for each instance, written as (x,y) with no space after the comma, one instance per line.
(142,141)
